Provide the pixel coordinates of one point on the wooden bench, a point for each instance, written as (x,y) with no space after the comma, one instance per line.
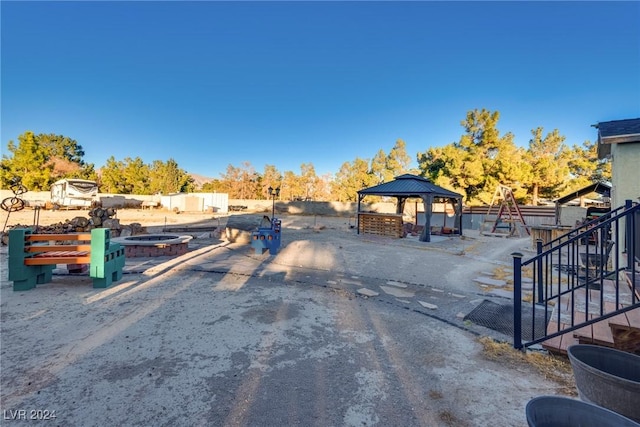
(32,257)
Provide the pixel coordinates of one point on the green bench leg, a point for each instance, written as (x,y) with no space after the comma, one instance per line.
(32,276)
(99,282)
(112,274)
(108,275)
(26,284)
(107,259)
(46,274)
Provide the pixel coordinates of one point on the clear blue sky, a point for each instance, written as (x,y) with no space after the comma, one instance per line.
(284,83)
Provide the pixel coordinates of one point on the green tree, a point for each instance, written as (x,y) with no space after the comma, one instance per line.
(351,178)
(41,159)
(398,161)
(167,178)
(585,166)
(66,157)
(548,159)
(28,163)
(111,178)
(128,176)
(448,167)
(379,168)
(136,176)
(478,162)
(213,186)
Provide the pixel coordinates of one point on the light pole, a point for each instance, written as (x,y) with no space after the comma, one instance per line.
(273,192)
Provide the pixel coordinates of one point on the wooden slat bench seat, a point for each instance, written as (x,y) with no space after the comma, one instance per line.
(32,257)
(59,257)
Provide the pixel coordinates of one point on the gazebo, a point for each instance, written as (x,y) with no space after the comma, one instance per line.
(408,186)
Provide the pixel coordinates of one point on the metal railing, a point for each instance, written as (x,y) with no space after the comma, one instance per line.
(579,278)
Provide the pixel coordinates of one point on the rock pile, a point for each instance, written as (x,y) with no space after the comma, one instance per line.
(98,218)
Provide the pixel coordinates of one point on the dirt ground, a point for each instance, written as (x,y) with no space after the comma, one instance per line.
(336,329)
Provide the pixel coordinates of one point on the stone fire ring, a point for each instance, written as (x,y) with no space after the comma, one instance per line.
(151,245)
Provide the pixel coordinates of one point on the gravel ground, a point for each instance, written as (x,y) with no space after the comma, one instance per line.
(222,336)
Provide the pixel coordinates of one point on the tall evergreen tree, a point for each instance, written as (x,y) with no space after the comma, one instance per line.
(478,162)
(351,178)
(41,159)
(167,177)
(586,167)
(398,161)
(548,159)
(378,169)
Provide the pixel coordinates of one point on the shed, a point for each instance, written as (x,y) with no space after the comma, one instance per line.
(603,188)
(408,186)
(196,202)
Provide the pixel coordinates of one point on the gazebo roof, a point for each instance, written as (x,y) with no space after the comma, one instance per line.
(408,185)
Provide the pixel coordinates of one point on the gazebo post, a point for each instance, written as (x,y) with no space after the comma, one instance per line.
(400,205)
(425,236)
(457,207)
(358,215)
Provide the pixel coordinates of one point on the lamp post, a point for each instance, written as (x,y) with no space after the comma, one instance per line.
(273,192)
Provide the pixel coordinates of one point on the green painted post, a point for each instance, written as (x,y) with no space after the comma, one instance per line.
(99,245)
(23,277)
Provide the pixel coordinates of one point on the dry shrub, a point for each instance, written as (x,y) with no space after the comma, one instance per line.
(554,368)
(500,273)
(528,297)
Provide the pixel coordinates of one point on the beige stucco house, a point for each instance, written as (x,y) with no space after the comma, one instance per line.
(620,141)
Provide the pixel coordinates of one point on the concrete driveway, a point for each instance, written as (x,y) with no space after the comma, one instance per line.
(336,330)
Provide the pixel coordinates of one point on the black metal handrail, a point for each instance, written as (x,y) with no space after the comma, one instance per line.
(584,276)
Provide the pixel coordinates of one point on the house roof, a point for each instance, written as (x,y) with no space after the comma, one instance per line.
(408,185)
(602,188)
(619,131)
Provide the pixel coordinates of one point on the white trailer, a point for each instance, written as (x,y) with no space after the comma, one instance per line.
(74,193)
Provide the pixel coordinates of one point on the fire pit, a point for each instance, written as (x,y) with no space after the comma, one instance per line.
(153,245)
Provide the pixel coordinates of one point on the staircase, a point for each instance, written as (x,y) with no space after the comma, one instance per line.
(621,331)
(585,288)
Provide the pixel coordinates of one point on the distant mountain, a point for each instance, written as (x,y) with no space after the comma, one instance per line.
(198,180)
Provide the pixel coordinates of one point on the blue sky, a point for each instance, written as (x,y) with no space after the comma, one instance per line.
(284,83)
